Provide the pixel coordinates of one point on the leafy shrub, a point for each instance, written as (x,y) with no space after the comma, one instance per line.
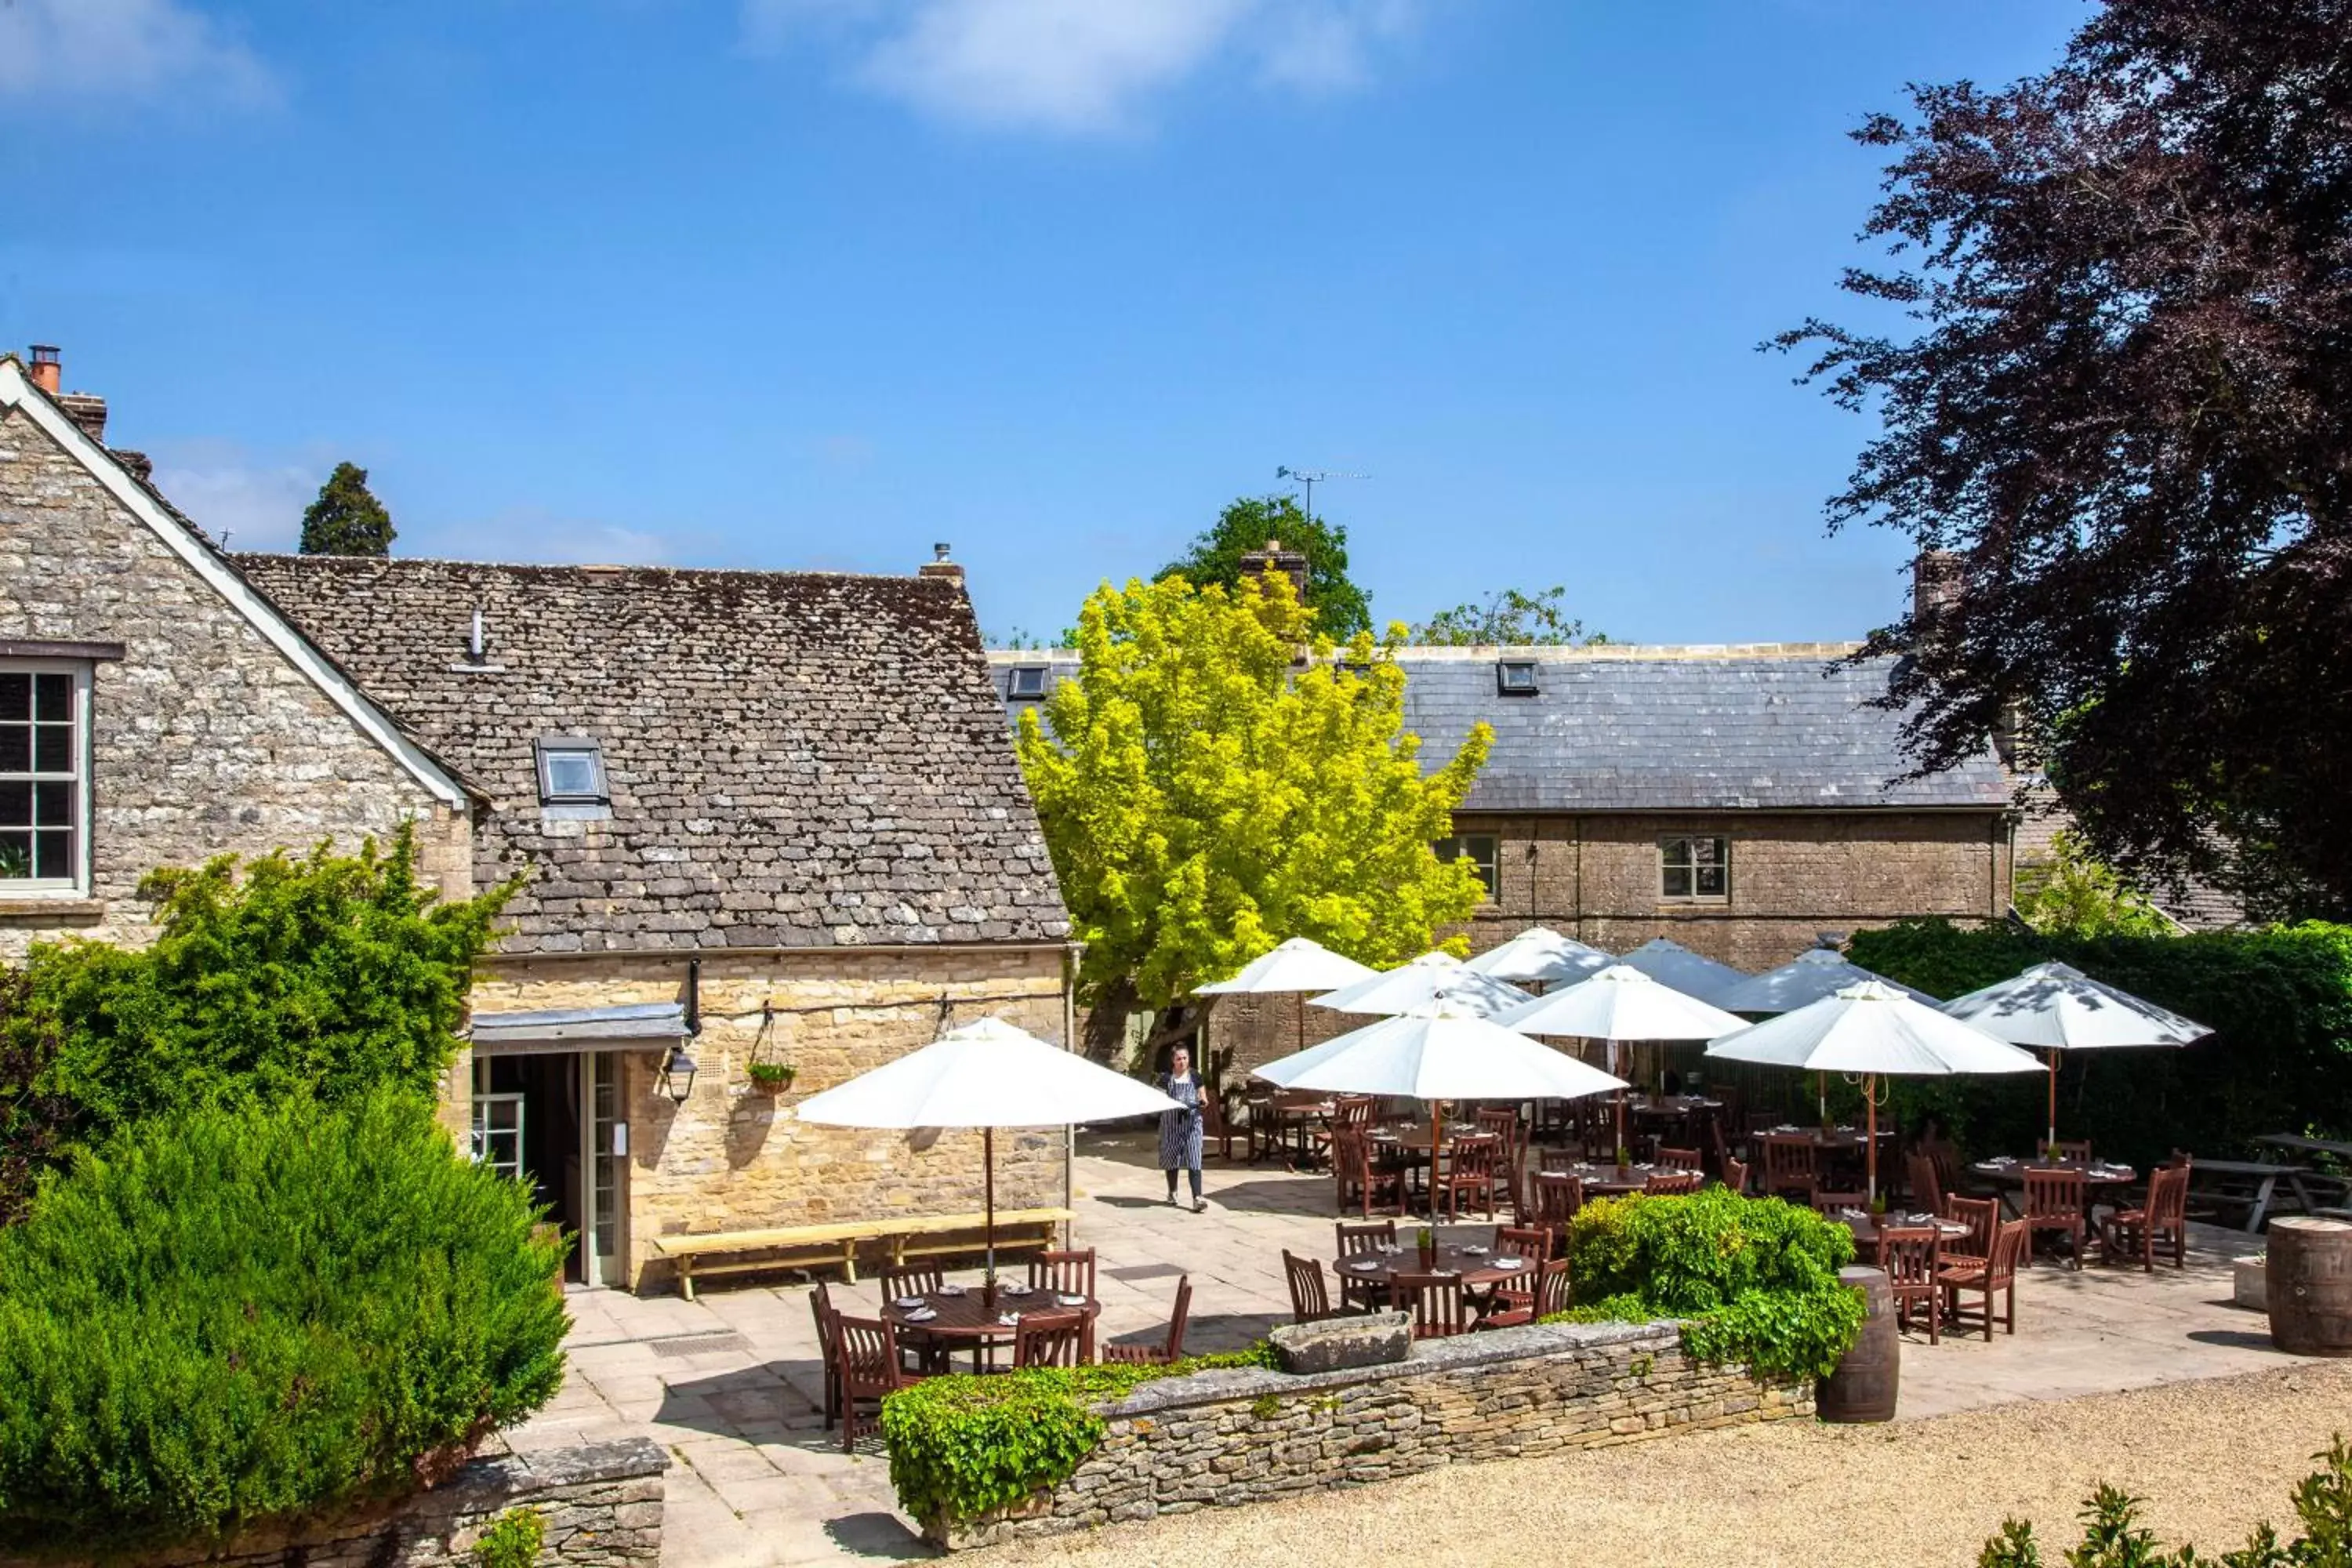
(962,1445)
(327,974)
(512,1540)
(2279,1000)
(2111,1538)
(261,1311)
(1754,1279)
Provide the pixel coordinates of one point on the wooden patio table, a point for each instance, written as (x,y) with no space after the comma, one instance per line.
(2097,1175)
(1477,1266)
(961,1319)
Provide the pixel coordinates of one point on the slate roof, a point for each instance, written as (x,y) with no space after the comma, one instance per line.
(1757,727)
(794,759)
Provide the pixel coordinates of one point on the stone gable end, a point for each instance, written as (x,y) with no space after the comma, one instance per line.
(205,739)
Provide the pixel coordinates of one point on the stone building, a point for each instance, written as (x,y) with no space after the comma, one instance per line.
(1741,801)
(756,816)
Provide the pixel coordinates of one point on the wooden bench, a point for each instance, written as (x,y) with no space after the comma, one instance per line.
(818,1246)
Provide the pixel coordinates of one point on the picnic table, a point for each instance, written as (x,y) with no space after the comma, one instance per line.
(2250,1186)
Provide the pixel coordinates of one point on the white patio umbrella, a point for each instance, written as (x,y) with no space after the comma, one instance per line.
(1872,1029)
(1417,985)
(1688,972)
(2059,1008)
(1301,965)
(1808,977)
(1437,1052)
(1540,955)
(987,1075)
(1621,1003)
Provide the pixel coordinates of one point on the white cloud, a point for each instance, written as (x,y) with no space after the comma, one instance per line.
(536,535)
(59,50)
(256,501)
(1081,66)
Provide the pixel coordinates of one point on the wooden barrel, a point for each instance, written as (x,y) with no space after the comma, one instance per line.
(2307,1280)
(1864,1386)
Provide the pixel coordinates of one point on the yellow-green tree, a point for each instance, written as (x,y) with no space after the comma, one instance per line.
(1206,797)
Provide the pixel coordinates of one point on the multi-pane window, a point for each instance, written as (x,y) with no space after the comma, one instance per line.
(1482,849)
(1695,867)
(44,769)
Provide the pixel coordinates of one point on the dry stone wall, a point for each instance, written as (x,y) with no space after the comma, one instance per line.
(1224,1439)
(734,1158)
(600,1506)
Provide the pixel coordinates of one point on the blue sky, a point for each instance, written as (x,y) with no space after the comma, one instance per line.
(815,283)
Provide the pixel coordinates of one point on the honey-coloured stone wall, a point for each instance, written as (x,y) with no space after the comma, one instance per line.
(735,1158)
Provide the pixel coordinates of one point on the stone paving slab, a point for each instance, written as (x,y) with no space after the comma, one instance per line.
(728,1383)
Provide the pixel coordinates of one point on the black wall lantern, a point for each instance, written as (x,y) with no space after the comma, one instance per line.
(678,1074)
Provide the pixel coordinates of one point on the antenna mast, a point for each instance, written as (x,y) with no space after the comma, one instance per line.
(1309,479)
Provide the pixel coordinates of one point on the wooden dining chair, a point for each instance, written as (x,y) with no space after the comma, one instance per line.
(1679,1159)
(1310,1302)
(1064,1273)
(1671,1183)
(1829,1203)
(1523,1241)
(1510,1135)
(1551,1161)
(828,1351)
(1522,1301)
(1983,1216)
(1050,1338)
(1987,1277)
(1927,1182)
(1471,1171)
(866,1352)
(912,1279)
(1435,1302)
(1265,1125)
(1362,1241)
(2158,1225)
(2054,1203)
(2076,1149)
(1735,1174)
(1911,1255)
(1788,1166)
(1364,1184)
(1168,1352)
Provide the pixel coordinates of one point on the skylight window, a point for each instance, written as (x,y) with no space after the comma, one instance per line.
(1515,677)
(1028,682)
(572,771)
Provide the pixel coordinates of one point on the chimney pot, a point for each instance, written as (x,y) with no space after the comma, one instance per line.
(939,552)
(1291,564)
(1935,585)
(48,373)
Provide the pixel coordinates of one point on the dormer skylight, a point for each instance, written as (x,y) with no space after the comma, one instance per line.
(1515,677)
(572,771)
(1026,682)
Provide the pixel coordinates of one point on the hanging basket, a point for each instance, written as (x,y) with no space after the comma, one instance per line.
(770,1077)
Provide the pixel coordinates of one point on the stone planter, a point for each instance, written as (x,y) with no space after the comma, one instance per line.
(2250,1291)
(1336,1345)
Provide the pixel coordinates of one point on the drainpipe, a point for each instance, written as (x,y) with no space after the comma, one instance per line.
(1070,953)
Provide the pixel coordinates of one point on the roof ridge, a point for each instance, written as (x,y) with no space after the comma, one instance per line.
(573,567)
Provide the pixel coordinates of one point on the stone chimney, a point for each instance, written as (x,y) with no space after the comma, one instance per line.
(940,566)
(49,374)
(1291,564)
(1935,577)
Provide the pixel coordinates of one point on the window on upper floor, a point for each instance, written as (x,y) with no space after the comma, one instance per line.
(1483,850)
(572,772)
(1027,681)
(1515,677)
(1695,867)
(43,776)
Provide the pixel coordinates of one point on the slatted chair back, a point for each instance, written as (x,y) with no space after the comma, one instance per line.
(1670,1183)
(828,1351)
(1735,1174)
(1551,1161)
(1356,1240)
(1558,1196)
(1352,1110)
(2008,1253)
(1472,1166)
(1064,1273)
(1788,1165)
(1829,1203)
(1048,1339)
(2052,1194)
(1310,1300)
(1927,1182)
(1983,1216)
(1551,1288)
(913,1279)
(1502,1122)
(866,1351)
(1523,1241)
(2077,1149)
(2168,1196)
(1435,1302)
(1679,1159)
(1912,1256)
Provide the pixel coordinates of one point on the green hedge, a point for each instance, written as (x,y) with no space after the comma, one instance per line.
(262,1312)
(962,1445)
(1754,1279)
(2279,1000)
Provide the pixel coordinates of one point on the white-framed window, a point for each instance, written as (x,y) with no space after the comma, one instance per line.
(1695,867)
(43,776)
(572,771)
(1483,848)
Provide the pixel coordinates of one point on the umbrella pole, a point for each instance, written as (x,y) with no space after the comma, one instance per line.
(988,1180)
(1822,1098)
(1870,1147)
(1436,1114)
(2052,1142)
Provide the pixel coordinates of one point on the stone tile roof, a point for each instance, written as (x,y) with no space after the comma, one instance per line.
(1738,727)
(794,759)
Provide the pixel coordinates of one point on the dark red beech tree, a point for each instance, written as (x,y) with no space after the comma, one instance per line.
(2123,400)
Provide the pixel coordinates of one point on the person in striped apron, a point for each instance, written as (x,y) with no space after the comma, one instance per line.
(1179,1130)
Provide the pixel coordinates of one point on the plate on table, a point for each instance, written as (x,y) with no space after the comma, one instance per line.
(907,1303)
(951,1289)
(1475,1251)
(1364,1265)
(1013,1289)
(1071,1300)
(1510,1262)
(920,1315)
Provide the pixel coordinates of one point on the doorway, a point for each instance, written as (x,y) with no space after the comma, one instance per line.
(550,1119)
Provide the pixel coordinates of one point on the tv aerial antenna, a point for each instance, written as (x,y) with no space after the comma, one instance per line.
(1309,479)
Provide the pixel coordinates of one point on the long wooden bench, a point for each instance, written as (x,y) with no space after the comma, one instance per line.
(820,1246)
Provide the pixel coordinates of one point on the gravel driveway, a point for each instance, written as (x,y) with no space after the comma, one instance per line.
(2211,1456)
